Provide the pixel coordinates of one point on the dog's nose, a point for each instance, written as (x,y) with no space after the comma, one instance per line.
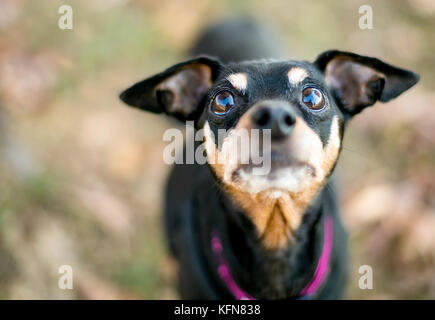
(279,120)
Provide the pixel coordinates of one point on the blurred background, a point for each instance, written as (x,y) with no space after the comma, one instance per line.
(82,176)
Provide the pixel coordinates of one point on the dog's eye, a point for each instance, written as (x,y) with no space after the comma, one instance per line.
(222,103)
(313,98)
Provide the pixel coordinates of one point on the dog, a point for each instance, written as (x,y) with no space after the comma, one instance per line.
(278,235)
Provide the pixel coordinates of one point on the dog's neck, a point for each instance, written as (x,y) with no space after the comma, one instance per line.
(277,215)
(265,273)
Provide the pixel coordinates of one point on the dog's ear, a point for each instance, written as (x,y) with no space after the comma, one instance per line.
(177,91)
(358,81)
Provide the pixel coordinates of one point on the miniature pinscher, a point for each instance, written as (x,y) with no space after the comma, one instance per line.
(278,235)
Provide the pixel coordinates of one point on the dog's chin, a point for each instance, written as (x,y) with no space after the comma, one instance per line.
(284,175)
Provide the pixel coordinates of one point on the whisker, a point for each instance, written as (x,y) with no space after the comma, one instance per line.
(327,186)
(366,157)
(354,151)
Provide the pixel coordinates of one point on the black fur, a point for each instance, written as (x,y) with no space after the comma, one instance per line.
(195,200)
(195,206)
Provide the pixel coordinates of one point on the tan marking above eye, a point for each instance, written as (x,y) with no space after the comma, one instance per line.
(296,75)
(239,81)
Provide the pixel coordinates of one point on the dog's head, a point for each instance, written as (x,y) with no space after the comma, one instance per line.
(302,107)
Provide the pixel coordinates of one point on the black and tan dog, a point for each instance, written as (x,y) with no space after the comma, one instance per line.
(277,235)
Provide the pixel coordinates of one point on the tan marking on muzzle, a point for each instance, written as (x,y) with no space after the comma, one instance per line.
(225,161)
(278,213)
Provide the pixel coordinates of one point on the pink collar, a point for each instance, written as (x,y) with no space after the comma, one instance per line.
(310,289)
